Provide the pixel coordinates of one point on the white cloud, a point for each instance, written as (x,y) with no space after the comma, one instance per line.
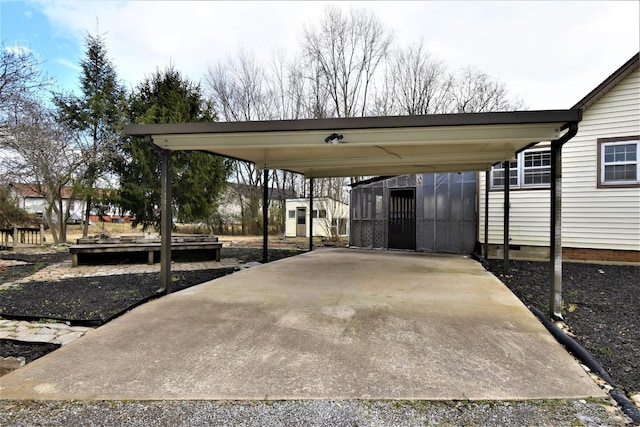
(18,50)
(66,63)
(551,53)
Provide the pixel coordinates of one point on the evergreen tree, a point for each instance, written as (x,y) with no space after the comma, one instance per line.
(94,117)
(198,178)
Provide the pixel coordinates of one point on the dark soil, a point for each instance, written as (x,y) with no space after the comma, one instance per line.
(93,300)
(601,307)
(29,350)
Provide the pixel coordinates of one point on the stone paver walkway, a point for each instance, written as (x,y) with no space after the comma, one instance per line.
(62,333)
(49,332)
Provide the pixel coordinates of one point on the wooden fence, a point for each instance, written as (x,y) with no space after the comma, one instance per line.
(21,236)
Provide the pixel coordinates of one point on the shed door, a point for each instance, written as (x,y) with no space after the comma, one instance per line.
(402,219)
(301,222)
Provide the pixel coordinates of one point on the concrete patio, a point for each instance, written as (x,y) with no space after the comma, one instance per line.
(330,324)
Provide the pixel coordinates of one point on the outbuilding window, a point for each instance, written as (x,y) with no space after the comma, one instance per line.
(618,162)
(322,213)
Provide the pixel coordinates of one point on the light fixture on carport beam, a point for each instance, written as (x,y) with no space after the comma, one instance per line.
(334,139)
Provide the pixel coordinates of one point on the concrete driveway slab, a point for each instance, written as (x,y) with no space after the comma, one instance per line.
(330,324)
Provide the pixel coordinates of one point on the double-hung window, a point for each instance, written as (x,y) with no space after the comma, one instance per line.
(531,169)
(618,161)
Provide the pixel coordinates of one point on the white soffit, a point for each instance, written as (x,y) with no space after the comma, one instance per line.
(369,146)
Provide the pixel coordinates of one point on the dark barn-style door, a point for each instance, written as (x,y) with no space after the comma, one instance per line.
(402,219)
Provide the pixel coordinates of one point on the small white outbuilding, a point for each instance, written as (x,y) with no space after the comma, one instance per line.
(330,217)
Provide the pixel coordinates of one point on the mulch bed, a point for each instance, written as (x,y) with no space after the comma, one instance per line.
(601,308)
(29,350)
(93,301)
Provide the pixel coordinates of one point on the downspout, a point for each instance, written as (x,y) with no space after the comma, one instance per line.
(555,235)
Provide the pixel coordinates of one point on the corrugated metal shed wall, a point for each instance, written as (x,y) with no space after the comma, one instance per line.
(446,211)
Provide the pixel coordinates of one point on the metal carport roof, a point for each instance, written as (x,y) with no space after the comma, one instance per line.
(369,145)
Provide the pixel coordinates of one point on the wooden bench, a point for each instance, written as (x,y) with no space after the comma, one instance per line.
(150,247)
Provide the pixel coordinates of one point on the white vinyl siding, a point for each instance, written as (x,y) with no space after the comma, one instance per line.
(593,216)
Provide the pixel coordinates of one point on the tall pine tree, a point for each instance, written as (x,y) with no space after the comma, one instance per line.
(198,178)
(95,117)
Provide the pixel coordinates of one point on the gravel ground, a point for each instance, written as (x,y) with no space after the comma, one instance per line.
(308,413)
(601,308)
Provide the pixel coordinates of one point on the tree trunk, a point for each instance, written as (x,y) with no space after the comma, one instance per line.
(87,215)
(52,226)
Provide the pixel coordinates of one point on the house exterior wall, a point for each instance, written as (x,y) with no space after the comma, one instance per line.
(335,210)
(33,205)
(37,205)
(593,218)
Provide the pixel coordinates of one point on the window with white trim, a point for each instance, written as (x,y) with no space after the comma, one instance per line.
(531,169)
(619,163)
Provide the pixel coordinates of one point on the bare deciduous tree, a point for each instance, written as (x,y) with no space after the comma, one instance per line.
(415,83)
(474,91)
(243,90)
(42,158)
(346,68)
(343,52)
(20,76)
(35,148)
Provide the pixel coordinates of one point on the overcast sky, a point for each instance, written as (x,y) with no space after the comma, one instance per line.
(550,54)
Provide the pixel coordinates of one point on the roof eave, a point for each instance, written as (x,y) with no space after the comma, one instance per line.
(609,83)
(384,122)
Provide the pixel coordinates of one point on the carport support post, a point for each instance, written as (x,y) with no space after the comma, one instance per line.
(310,214)
(505,252)
(555,245)
(265,216)
(486,214)
(165,223)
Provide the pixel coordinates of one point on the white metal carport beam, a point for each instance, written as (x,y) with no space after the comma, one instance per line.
(430,159)
(328,172)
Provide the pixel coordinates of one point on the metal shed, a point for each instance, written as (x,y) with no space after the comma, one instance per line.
(423,212)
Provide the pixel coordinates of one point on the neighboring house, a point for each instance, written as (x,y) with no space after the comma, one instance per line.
(600,182)
(330,217)
(429,212)
(235,201)
(31,199)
